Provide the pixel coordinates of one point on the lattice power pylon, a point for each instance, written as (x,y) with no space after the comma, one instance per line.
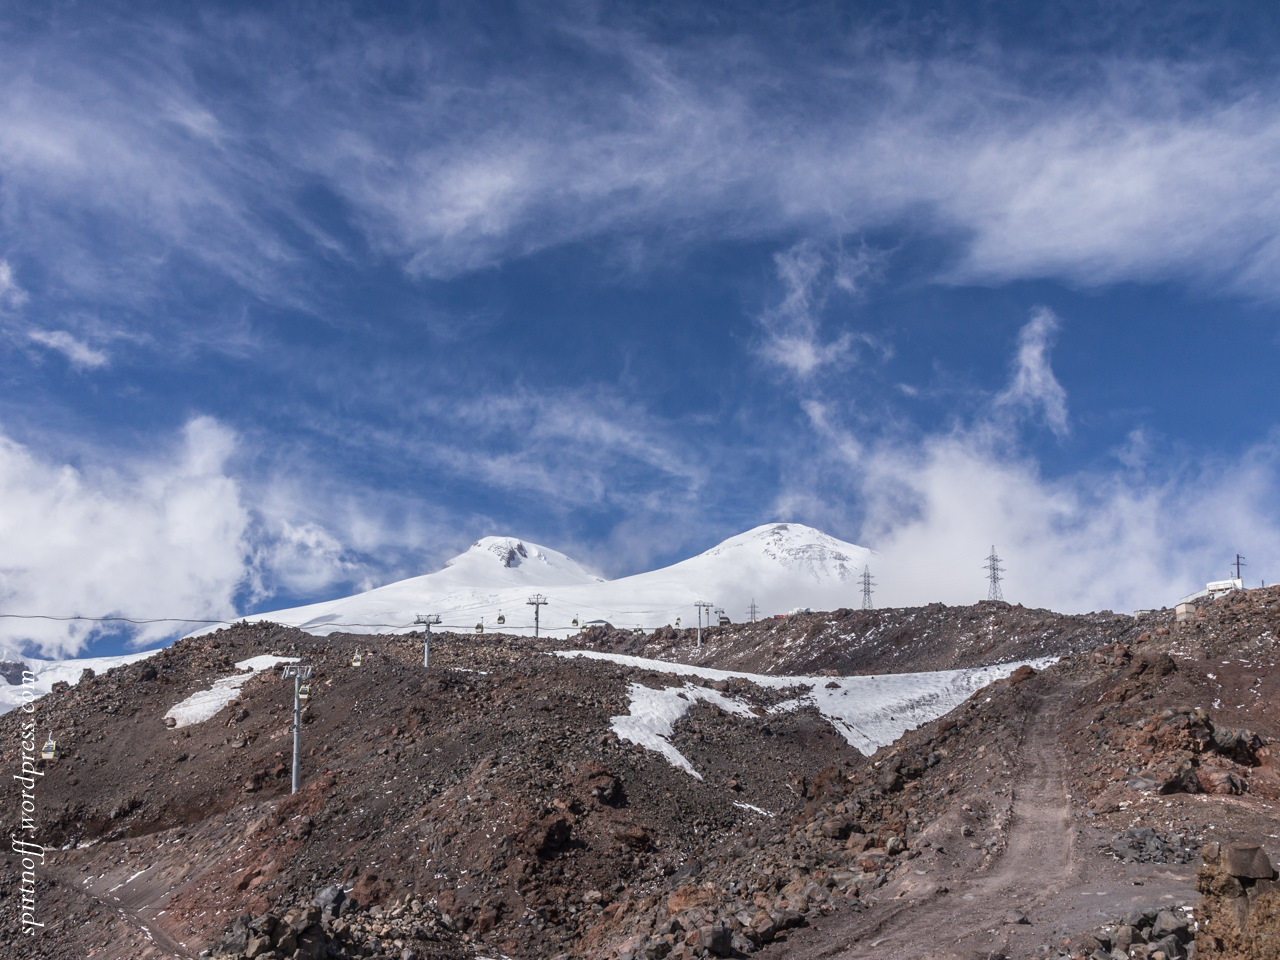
(867,583)
(993,576)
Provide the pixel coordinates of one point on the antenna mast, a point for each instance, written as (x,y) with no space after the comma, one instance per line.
(993,576)
(537,601)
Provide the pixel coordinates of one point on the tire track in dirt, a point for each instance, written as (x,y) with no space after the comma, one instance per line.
(129,910)
(1039,861)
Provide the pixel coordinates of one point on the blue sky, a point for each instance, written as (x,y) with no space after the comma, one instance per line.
(299,302)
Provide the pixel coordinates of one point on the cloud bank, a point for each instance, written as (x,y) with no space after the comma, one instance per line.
(1121,535)
(176,534)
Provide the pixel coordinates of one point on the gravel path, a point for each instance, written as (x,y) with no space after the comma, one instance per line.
(1048,869)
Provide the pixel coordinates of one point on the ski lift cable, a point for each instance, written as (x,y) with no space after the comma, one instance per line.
(228,623)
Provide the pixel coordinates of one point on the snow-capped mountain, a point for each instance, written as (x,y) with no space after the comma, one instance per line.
(779,566)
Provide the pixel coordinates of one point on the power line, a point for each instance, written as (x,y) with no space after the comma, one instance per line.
(993,576)
(43,616)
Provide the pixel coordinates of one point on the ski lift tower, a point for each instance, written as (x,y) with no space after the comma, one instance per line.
(702,605)
(537,601)
(426,622)
(299,672)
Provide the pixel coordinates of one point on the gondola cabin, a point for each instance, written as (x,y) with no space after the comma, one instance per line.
(50,749)
(502,617)
(355,661)
(304,691)
(479,628)
(575,621)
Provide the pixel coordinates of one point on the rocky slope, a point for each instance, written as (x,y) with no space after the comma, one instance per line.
(486,807)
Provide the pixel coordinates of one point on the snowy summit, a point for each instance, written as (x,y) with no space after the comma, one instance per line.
(779,566)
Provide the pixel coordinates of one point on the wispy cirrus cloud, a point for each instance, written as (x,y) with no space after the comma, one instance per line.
(1034,386)
(12,296)
(446,169)
(791,330)
(78,353)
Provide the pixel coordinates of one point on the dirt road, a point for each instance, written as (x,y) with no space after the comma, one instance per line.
(1051,867)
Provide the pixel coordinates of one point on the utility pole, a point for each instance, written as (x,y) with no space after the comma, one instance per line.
(426,622)
(993,576)
(1238,564)
(702,605)
(867,582)
(753,612)
(537,601)
(299,672)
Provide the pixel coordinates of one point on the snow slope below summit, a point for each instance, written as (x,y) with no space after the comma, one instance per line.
(49,672)
(494,574)
(778,566)
(868,711)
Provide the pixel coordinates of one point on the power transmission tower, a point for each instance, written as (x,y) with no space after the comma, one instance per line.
(867,582)
(753,611)
(702,605)
(299,672)
(537,601)
(993,576)
(1238,564)
(427,621)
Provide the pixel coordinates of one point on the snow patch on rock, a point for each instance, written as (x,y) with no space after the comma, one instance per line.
(652,716)
(205,704)
(868,711)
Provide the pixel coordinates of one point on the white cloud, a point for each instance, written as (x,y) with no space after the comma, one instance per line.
(1034,386)
(792,336)
(153,537)
(175,534)
(1084,541)
(931,505)
(304,557)
(78,353)
(11,295)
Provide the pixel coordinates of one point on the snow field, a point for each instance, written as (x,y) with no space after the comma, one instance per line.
(869,712)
